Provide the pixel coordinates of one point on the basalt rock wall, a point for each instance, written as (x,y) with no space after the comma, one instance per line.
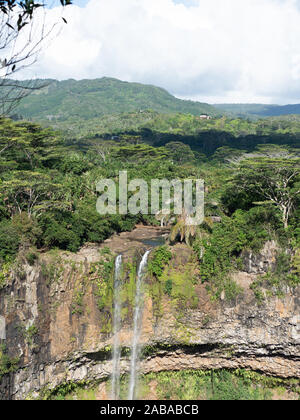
(52,322)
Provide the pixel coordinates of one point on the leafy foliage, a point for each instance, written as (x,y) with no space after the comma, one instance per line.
(270,181)
(212,385)
(25,10)
(7,364)
(161,256)
(48,195)
(219,251)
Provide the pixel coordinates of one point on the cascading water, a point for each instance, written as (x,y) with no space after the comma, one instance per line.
(116,329)
(137,326)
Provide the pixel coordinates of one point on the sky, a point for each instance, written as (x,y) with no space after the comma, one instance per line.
(215,51)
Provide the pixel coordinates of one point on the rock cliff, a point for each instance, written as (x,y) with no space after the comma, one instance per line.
(55,320)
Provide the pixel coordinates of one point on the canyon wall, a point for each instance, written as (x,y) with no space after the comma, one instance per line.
(54,321)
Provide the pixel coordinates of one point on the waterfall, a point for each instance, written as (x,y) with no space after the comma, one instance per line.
(116,329)
(137,326)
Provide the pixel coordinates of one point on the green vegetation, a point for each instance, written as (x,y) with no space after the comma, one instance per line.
(62,391)
(161,256)
(176,282)
(275,282)
(7,364)
(4,274)
(188,385)
(216,385)
(52,269)
(258,110)
(260,201)
(59,101)
(179,284)
(77,304)
(48,186)
(219,246)
(46,200)
(129,289)
(158,262)
(30,333)
(48,197)
(101,274)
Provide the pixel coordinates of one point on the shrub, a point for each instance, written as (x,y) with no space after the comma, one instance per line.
(27,228)
(219,252)
(161,256)
(31,257)
(7,364)
(9,240)
(168,287)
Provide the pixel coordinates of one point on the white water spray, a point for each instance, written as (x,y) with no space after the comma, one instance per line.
(116,329)
(137,326)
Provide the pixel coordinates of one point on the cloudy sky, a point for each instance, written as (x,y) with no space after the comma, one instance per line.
(206,50)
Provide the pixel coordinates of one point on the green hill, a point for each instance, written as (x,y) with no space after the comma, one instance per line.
(259,110)
(86,99)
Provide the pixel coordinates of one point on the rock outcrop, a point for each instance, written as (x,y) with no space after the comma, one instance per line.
(262,262)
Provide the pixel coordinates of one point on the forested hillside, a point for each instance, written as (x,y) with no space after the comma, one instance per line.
(204,136)
(86,99)
(71,99)
(259,110)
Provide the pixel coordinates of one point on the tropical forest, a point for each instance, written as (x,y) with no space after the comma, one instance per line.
(145,305)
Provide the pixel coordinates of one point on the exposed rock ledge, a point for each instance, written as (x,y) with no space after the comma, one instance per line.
(69,347)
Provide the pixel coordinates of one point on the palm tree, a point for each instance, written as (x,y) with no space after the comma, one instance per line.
(183,231)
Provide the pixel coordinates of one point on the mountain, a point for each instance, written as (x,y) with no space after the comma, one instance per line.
(259,110)
(86,99)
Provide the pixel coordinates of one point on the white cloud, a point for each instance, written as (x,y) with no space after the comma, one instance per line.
(212,50)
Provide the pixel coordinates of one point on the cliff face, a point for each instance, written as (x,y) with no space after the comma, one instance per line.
(58,324)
